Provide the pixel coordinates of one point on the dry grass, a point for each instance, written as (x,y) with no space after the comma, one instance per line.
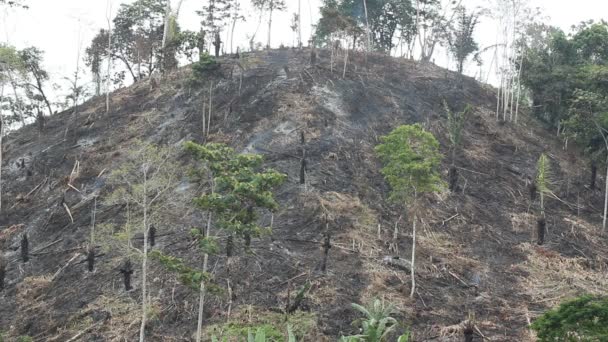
(553,278)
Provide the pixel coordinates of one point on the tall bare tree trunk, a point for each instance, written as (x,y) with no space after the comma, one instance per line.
(521,64)
(144,264)
(269,24)
(109,20)
(300,23)
(165,34)
(413,258)
(605,197)
(345,61)
(367,32)
(1,146)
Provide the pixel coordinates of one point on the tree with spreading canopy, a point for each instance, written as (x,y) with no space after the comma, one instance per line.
(411,158)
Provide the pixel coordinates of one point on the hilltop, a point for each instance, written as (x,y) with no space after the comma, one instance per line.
(477,253)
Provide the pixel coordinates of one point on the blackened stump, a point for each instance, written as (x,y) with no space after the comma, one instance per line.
(532,188)
(303,171)
(453,177)
(152,236)
(127,271)
(2,272)
(541,226)
(91,259)
(326,247)
(593,175)
(25,255)
(229,245)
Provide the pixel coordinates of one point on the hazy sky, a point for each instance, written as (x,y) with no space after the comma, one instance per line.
(59,27)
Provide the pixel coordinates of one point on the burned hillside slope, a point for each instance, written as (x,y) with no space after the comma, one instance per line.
(477,253)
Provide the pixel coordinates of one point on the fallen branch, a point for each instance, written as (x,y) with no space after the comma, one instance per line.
(397,262)
(46,246)
(67,264)
(77,336)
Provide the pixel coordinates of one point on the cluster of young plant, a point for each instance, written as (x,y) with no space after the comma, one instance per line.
(238,190)
(377,323)
(581,319)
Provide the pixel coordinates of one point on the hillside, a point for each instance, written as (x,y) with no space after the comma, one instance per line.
(476,247)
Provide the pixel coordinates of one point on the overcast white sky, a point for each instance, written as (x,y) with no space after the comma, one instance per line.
(59,26)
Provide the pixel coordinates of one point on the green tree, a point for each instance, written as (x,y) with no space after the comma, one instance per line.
(587,124)
(460,36)
(581,319)
(411,160)
(385,18)
(241,190)
(37,76)
(144,180)
(270,6)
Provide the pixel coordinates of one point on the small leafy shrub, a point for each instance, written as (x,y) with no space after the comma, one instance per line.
(206,65)
(582,319)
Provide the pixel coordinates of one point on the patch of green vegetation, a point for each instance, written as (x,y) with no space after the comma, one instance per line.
(205,66)
(24,339)
(274,326)
(581,319)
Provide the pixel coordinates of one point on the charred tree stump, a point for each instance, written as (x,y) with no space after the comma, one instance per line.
(303,171)
(302,138)
(468,333)
(541,226)
(2,272)
(152,236)
(533,190)
(326,248)
(593,175)
(127,271)
(313,56)
(91,259)
(453,178)
(229,245)
(247,238)
(41,121)
(297,302)
(25,245)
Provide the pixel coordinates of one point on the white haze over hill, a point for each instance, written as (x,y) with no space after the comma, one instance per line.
(63,27)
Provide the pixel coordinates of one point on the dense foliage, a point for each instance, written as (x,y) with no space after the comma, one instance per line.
(582,319)
(242,189)
(566,77)
(411,158)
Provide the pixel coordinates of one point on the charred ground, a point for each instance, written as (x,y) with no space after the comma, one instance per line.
(477,252)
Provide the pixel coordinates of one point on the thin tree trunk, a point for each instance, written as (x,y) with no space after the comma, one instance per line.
(413,258)
(368,33)
(269,26)
(232,35)
(345,61)
(165,35)
(605,197)
(1,146)
(13,85)
(108,18)
(201,301)
(144,264)
(299,23)
(521,64)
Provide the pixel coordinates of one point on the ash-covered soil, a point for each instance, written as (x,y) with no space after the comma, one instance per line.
(476,252)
